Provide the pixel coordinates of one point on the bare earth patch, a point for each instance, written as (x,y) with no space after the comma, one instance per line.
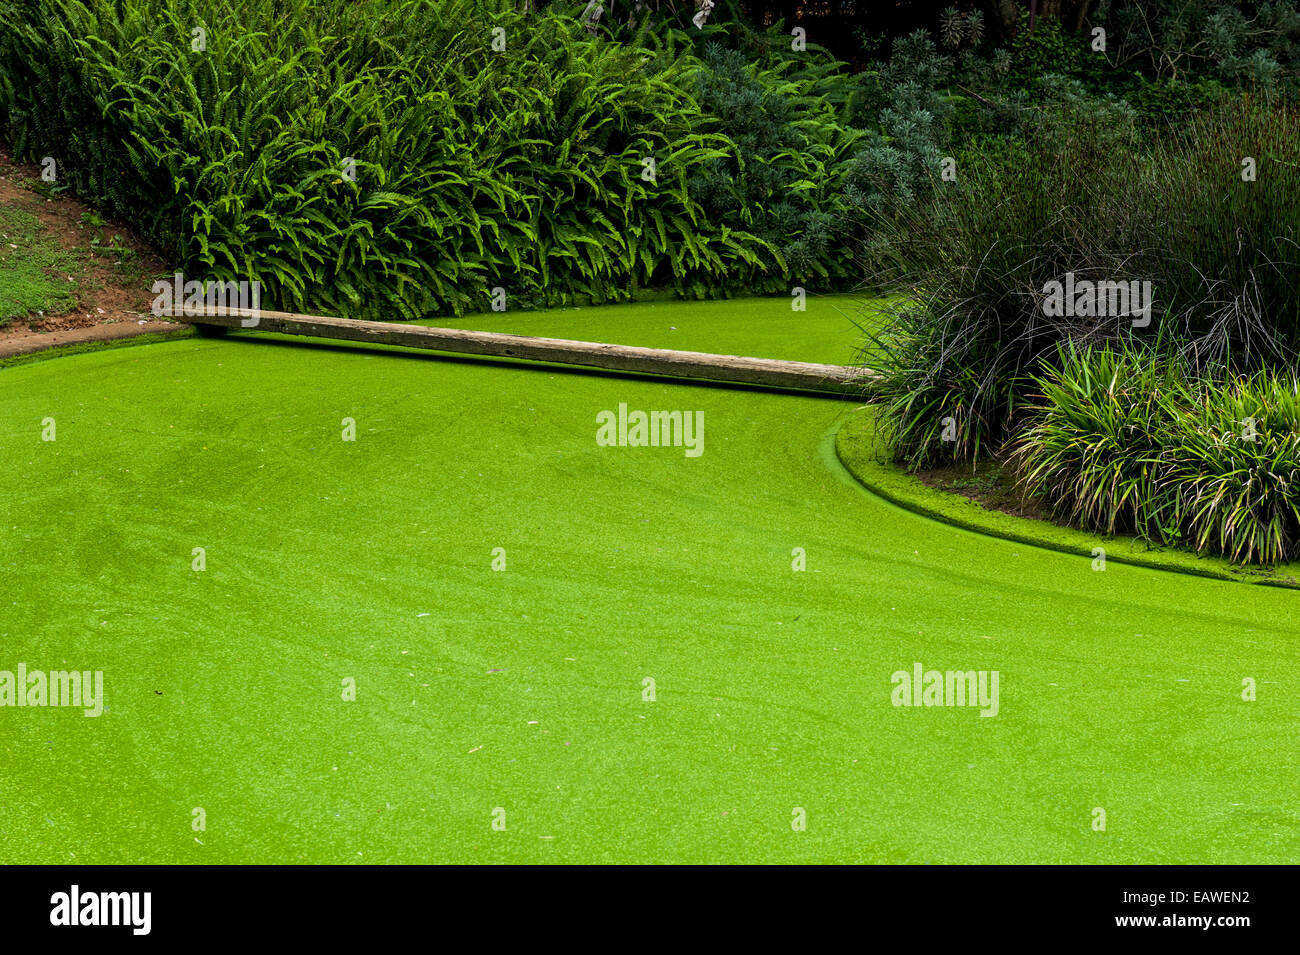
(991,484)
(111,282)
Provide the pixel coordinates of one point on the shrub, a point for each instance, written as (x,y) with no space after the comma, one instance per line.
(474,168)
(1226,250)
(1083,194)
(794,147)
(967,328)
(1175,101)
(1232,477)
(1237,39)
(893,166)
(1046,49)
(1092,448)
(1122,441)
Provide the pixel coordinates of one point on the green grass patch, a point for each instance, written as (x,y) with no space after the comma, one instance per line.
(78,348)
(33,268)
(864,451)
(522,689)
(830,330)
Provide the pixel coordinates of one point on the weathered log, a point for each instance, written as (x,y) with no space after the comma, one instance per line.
(775,373)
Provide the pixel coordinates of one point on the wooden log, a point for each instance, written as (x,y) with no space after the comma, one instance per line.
(803,376)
